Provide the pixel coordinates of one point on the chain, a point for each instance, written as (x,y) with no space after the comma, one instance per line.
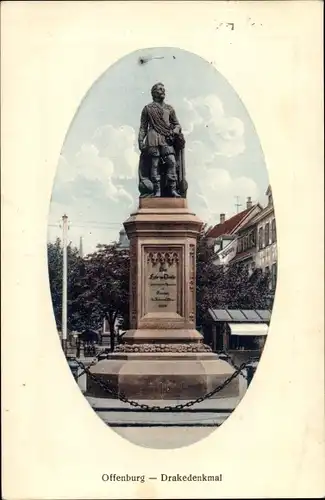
(103,384)
(83,367)
(86,369)
(231,362)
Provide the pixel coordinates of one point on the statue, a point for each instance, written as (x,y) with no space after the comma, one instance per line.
(161,143)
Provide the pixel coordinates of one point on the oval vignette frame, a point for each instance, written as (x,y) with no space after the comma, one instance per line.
(97,175)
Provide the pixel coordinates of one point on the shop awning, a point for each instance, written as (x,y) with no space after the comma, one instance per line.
(249,329)
(240,315)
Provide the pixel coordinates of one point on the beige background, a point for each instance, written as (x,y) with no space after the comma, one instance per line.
(54,446)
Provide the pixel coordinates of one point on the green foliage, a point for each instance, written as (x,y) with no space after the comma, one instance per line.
(98,286)
(226,287)
(102,289)
(55,268)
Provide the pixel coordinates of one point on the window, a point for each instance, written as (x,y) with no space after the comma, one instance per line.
(260,238)
(267,234)
(273,231)
(245,242)
(252,239)
(274,276)
(240,245)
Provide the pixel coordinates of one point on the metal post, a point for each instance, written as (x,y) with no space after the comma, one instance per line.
(214,338)
(64,282)
(250,370)
(225,339)
(78,348)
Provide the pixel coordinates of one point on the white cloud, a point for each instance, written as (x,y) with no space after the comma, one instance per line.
(205,115)
(198,153)
(109,160)
(189,116)
(64,172)
(110,153)
(91,166)
(218,191)
(118,144)
(213,190)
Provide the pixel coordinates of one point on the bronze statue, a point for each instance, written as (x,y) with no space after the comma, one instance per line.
(161,142)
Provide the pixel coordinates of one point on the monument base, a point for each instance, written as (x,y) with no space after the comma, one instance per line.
(163,376)
(166,347)
(163,335)
(162,356)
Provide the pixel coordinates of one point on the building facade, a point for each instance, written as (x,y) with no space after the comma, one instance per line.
(123,241)
(257,242)
(267,255)
(226,237)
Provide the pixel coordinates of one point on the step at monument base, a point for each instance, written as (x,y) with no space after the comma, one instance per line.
(162,335)
(163,376)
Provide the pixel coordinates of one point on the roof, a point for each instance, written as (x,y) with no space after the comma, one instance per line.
(258,217)
(230,225)
(240,315)
(248,254)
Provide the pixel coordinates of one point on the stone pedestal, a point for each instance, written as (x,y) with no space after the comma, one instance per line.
(163,355)
(163,236)
(164,376)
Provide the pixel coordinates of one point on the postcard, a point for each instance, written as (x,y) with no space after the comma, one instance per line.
(162,199)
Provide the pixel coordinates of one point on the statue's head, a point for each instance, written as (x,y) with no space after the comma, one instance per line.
(158,91)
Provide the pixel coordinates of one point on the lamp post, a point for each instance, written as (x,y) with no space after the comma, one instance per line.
(64,282)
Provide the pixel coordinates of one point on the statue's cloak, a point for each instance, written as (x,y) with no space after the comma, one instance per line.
(145,183)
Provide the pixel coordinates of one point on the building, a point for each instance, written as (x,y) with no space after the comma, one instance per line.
(235,330)
(247,247)
(123,242)
(267,257)
(224,236)
(247,241)
(256,243)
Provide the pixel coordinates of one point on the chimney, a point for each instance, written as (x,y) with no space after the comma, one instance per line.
(222,218)
(249,203)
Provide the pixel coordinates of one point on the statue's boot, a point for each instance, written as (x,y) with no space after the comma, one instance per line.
(157,192)
(174,193)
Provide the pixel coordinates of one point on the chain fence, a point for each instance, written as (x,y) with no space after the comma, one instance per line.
(228,358)
(104,385)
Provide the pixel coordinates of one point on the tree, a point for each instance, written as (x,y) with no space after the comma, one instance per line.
(98,286)
(227,287)
(55,268)
(207,275)
(102,290)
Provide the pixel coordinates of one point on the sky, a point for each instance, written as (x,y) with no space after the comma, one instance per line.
(96,180)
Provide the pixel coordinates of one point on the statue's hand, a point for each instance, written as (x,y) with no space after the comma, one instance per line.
(177,130)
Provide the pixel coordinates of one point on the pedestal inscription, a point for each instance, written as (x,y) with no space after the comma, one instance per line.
(162,283)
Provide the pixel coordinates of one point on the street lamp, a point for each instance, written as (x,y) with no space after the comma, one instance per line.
(64,282)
